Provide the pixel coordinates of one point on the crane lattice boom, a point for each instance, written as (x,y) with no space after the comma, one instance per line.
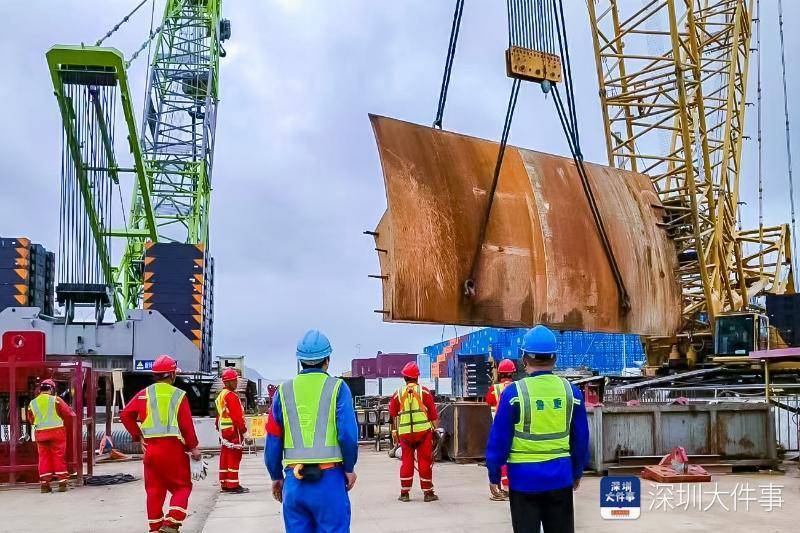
(673,82)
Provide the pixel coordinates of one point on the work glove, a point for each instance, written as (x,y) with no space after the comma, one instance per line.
(199,469)
(439,432)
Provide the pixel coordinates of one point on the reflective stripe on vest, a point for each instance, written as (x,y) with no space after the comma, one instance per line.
(413,417)
(308,404)
(542,433)
(44,411)
(498,391)
(225,420)
(163,401)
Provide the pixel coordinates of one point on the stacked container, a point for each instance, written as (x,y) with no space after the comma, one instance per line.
(178,283)
(27,275)
(607,353)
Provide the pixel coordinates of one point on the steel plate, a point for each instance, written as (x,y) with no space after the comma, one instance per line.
(541,261)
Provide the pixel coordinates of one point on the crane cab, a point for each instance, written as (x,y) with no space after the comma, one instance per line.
(738,334)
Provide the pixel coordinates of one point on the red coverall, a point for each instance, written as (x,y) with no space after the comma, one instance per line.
(420,442)
(230,458)
(492,400)
(166,464)
(51,445)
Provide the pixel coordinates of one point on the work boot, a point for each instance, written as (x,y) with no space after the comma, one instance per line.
(430,496)
(404,497)
(46,488)
(169,529)
(62,486)
(237,490)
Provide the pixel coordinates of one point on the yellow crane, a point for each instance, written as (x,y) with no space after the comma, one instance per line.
(673,77)
(673,82)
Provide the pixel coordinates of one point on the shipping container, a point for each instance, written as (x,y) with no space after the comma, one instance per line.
(390,364)
(364,367)
(606,353)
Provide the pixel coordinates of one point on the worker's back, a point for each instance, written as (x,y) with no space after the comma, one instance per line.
(308,403)
(162,402)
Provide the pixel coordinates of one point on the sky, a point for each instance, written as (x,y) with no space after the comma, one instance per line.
(297,177)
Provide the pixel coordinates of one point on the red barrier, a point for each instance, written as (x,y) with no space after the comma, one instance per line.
(22,367)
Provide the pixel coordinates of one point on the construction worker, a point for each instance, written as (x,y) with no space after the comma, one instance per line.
(312,443)
(505,375)
(414,412)
(232,432)
(47,413)
(160,418)
(541,432)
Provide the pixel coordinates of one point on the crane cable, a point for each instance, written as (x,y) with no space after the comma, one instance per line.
(448,65)
(469,284)
(788,132)
(119,24)
(569,122)
(759,143)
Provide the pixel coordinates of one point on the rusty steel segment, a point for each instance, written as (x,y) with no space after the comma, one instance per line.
(542,260)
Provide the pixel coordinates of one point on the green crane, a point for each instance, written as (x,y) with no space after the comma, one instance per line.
(170,153)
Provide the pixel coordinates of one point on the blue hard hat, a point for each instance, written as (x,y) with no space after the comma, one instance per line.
(314,346)
(539,340)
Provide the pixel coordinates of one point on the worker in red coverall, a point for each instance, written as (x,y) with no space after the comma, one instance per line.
(505,375)
(47,414)
(232,432)
(415,417)
(159,416)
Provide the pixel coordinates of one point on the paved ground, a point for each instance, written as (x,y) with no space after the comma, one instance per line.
(464,507)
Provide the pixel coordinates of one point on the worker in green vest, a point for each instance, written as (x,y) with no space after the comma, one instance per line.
(541,431)
(312,444)
(46,414)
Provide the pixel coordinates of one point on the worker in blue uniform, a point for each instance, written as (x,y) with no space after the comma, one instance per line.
(312,444)
(541,431)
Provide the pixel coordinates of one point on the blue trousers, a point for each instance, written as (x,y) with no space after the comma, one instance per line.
(316,506)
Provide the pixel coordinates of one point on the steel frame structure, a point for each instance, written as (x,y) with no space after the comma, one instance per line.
(173,157)
(673,82)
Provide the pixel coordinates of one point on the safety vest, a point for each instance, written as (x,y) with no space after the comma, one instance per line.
(163,401)
(498,391)
(545,407)
(413,416)
(225,420)
(308,404)
(44,411)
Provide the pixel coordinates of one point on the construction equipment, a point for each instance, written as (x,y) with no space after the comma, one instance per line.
(673,83)
(146,259)
(673,79)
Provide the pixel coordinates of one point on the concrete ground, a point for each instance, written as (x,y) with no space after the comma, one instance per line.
(464,506)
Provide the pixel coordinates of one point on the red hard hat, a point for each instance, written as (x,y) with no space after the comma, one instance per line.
(48,383)
(230,374)
(411,370)
(164,364)
(506,366)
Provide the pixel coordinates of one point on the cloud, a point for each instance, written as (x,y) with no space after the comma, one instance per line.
(297,177)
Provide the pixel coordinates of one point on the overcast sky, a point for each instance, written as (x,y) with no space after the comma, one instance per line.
(297,177)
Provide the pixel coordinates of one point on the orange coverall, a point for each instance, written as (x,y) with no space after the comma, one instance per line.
(51,445)
(166,463)
(419,443)
(230,458)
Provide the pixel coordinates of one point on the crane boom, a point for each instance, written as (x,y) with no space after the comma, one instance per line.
(171,153)
(673,83)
